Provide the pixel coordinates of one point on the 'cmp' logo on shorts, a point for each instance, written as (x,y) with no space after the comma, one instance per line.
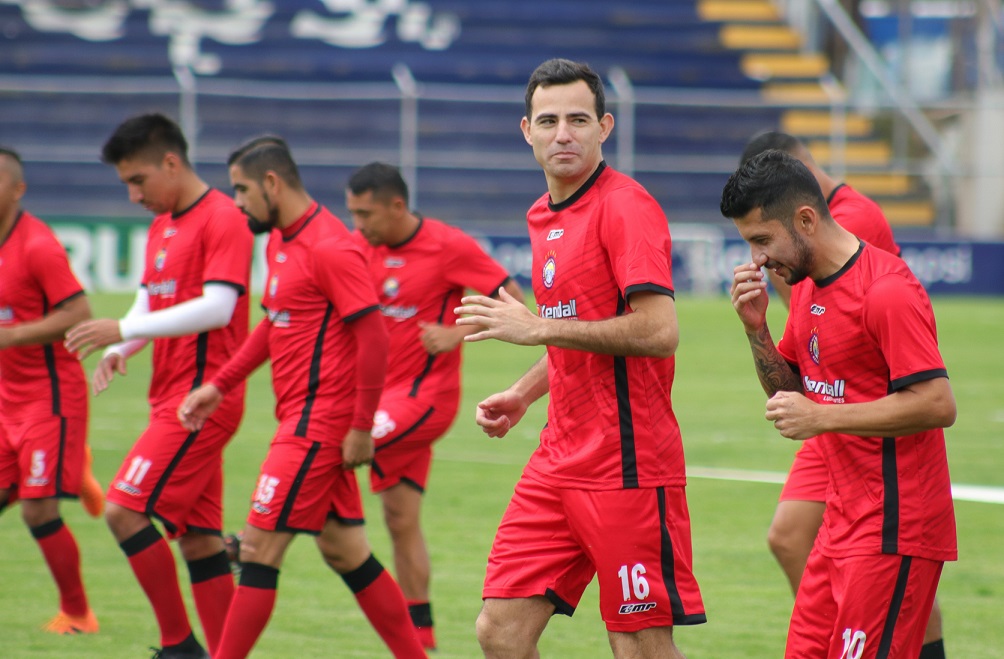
(550,269)
(641,607)
(814,346)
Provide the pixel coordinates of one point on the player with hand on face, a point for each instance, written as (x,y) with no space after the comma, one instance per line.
(328,348)
(192,305)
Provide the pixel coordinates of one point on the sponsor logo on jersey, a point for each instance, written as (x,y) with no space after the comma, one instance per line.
(817,310)
(834,391)
(129,489)
(550,270)
(278,318)
(814,347)
(554,234)
(260,508)
(558,310)
(391,287)
(399,312)
(168,288)
(641,607)
(6,314)
(273,285)
(393,262)
(170,231)
(158,261)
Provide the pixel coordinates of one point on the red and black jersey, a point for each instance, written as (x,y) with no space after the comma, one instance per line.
(862,217)
(35,277)
(857,336)
(208,242)
(421,281)
(318,282)
(610,421)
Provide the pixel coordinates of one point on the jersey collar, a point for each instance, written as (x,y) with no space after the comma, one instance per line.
(580,192)
(826,281)
(293,229)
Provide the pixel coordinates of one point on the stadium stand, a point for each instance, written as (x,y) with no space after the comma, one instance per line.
(472,166)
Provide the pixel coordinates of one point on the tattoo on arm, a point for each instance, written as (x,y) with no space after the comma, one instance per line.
(774,372)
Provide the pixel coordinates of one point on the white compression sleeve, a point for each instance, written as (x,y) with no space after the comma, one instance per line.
(140,306)
(210,311)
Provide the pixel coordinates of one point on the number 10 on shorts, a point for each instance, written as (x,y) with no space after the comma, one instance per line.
(854,644)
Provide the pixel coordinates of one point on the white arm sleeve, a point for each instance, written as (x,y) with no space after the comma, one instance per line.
(210,311)
(140,306)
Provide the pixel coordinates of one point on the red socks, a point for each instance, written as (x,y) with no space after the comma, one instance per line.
(250,610)
(381,600)
(212,589)
(60,550)
(153,564)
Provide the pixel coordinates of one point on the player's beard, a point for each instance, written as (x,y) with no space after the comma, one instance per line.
(264,226)
(803,261)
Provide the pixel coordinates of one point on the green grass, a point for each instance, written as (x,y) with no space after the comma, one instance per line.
(720,407)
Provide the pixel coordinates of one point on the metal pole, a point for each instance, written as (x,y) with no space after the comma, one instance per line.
(409,128)
(624,123)
(188,115)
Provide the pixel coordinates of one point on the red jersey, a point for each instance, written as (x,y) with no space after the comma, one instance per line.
(35,276)
(317,282)
(862,217)
(421,281)
(610,421)
(857,336)
(208,242)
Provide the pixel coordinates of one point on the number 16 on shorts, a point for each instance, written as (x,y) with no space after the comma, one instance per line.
(634,586)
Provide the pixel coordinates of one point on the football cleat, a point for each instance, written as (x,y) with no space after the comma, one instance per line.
(92,497)
(67,624)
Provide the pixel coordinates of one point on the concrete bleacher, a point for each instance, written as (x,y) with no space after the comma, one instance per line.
(473,164)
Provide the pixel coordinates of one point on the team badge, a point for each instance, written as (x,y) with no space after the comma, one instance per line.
(280,257)
(814,347)
(158,261)
(550,269)
(391,287)
(273,285)
(170,231)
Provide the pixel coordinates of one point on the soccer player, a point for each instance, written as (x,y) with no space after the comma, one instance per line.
(858,367)
(420,268)
(193,305)
(799,512)
(604,493)
(43,391)
(328,349)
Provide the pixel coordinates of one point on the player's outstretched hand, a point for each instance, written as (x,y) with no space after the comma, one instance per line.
(749,293)
(500,412)
(198,406)
(794,415)
(506,319)
(90,335)
(357,448)
(109,365)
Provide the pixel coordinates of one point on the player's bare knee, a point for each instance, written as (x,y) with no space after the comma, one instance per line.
(195,546)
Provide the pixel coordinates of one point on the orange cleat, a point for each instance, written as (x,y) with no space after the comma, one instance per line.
(92,496)
(66,624)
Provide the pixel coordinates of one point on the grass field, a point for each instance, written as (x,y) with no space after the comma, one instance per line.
(720,408)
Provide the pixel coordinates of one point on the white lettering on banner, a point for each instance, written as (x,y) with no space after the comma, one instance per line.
(357,24)
(932,265)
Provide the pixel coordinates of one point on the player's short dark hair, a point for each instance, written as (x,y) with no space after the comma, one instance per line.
(776,183)
(10,153)
(771,139)
(385,181)
(148,135)
(564,72)
(266,154)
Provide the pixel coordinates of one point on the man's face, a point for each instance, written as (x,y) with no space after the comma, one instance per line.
(11,185)
(776,246)
(151,184)
(564,131)
(253,201)
(375,218)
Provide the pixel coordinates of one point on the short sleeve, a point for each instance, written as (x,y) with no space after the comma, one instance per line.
(468,266)
(898,316)
(635,233)
(51,269)
(341,272)
(228,246)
